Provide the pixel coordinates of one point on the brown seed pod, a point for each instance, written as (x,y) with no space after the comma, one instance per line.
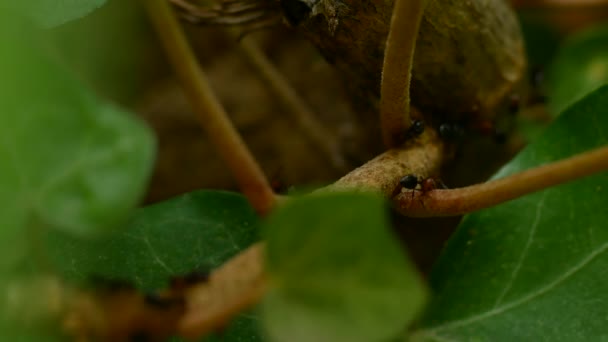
(469,54)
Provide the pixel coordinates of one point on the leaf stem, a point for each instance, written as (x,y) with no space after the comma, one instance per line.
(397,70)
(211,114)
(476,197)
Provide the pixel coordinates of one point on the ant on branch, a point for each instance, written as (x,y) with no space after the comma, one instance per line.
(416,129)
(412,182)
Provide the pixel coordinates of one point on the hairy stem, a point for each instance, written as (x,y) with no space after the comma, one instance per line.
(397,70)
(318,135)
(476,197)
(210,112)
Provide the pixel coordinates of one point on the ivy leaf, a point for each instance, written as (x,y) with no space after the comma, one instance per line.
(198,230)
(533,269)
(338,272)
(51,13)
(69,161)
(580,67)
(192,232)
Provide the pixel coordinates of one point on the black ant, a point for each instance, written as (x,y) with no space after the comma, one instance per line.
(451,131)
(411,182)
(415,129)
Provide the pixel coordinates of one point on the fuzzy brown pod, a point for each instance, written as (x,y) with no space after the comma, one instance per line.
(469,54)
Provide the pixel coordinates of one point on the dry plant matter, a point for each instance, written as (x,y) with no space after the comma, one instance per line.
(240,282)
(469,54)
(234,287)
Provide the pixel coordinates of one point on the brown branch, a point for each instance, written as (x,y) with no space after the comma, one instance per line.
(240,282)
(472,198)
(318,135)
(422,156)
(237,285)
(210,112)
(397,70)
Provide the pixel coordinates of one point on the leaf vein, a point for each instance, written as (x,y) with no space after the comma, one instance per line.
(524,253)
(541,291)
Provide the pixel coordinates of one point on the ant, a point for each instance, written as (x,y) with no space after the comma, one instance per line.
(412,181)
(451,131)
(415,129)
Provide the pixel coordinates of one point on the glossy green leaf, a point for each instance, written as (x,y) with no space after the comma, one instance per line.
(195,231)
(50,13)
(580,67)
(69,161)
(338,274)
(533,269)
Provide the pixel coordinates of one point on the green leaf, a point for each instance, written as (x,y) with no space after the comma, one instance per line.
(541,39)
(69,161)
(10,332)
(28,310)
(338,272)
(50,13)
(580,67)
(198,230)
(120,69)
(533,269)
(244,328)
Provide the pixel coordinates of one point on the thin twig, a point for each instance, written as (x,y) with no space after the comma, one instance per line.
(323,140)
(397,70)
(476,197)
(210,112)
